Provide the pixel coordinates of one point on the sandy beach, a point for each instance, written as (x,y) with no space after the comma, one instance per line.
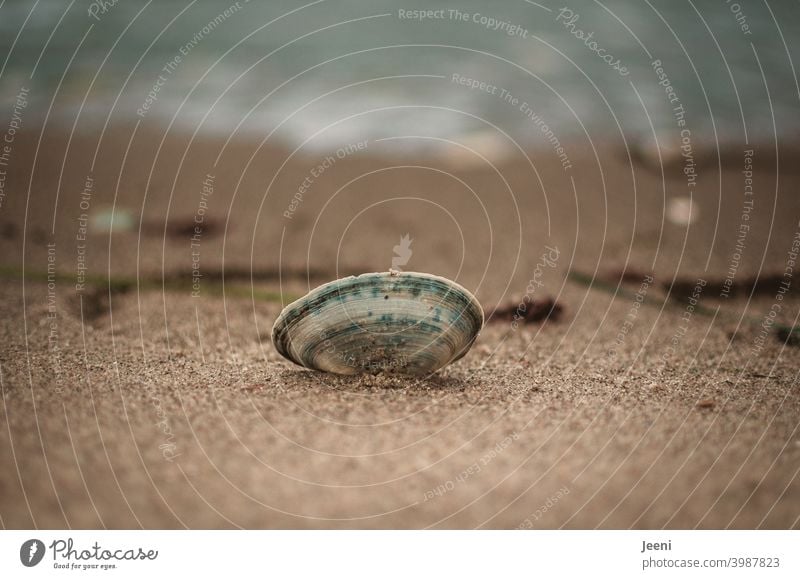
(140,387)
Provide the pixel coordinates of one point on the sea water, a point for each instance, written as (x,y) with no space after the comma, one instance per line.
(325,73)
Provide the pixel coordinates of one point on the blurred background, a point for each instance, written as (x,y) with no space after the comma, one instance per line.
(301,70)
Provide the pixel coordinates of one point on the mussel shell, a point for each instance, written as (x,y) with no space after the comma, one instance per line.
(396,322)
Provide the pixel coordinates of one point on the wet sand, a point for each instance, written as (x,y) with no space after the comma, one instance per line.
(134,403)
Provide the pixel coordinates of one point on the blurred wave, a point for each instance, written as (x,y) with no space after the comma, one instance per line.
(336,71)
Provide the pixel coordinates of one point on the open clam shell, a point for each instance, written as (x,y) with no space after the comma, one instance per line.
(399,322)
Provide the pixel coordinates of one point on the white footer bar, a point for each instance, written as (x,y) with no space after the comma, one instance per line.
(381,554)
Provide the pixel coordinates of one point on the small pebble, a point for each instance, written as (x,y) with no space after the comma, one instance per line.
(107,220)
(682,211)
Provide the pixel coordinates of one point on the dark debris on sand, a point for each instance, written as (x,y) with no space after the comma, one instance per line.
(533,311)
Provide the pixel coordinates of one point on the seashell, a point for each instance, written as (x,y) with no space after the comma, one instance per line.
(397,322)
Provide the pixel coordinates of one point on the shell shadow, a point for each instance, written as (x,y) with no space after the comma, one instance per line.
(366,384)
